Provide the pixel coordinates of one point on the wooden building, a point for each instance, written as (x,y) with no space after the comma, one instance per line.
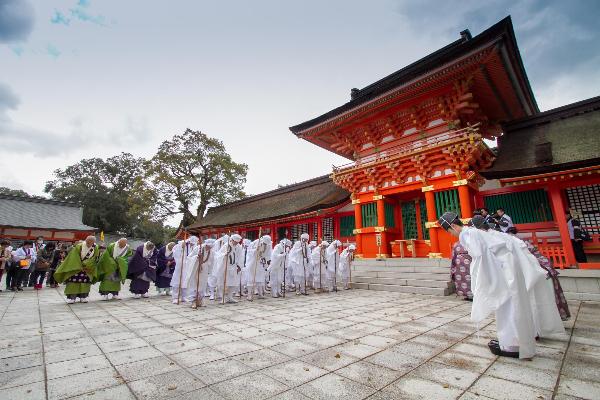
(416,145)
(27,218)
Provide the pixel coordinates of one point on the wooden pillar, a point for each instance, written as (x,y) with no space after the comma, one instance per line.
(357,228)
(559,208)
(381,226)
(432,218)
(464,198)
(319,230)
(418,221)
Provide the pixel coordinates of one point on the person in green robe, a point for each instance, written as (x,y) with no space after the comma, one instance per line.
(112,269)
(78,270)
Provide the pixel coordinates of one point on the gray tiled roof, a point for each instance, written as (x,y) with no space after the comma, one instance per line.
(26,212)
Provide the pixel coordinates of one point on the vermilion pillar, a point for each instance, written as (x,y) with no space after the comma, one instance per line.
(466,205)
(319,239)
(559,208)
(432,218)
(381,225)
(358,227)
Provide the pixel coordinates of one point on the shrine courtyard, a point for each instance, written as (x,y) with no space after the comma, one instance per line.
(351,345)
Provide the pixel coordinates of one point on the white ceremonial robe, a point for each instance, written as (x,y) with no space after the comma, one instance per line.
(498,285)
(279,260)
(199,262)
(228,258)
(344,267)
(300,263)
(546,317)
(256,264)
(319,264)
(333,259)
(180,252)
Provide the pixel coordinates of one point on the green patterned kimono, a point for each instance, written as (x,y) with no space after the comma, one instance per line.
(78,272)
(112,271)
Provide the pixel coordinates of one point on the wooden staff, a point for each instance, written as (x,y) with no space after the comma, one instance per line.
(284,267)
(245,254)
(304,252)
(229,249)
(184,247)
(320,266)
(349,266)
(256,258)
(200,263)
(335,270)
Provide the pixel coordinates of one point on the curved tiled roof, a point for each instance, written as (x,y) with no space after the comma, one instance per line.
(299,198)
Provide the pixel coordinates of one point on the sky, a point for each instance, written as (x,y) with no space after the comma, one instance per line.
(93,78)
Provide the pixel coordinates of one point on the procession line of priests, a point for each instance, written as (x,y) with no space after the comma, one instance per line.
(506,279)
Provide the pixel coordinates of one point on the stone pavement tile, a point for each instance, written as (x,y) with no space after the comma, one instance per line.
(356,349)
(198,394)
(473,396)
(120,392)
(277,326)
(125,344)
(76,366)
(474,350)
(332,386)
(397,361)
(162,338)
(339,323)
(294,373)
(145,368)
(368,374)
(413,348)
(69,344)
(290,395)
(16,351)
(21,377)
(262,358)
(411,387)
(54,356)
(237,348)
(381,342)
(329,359)
(221,370)
(157,330)
(68,386)
(114,337)
(178,346)
(582,366)
(297,348)
(216,339)
(296,333)
(579,388)
(585,348)
(397,334)
(546,364)
(132,355)
(565,397)
(198,331)
(247,332)
(524,374)
(11,341)
(444,374)
(166,386)
(20,362)
(250,386)
(496,388)
(198,356)
(32,391)
(269,339)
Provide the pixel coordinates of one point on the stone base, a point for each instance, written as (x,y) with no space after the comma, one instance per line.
(580,284)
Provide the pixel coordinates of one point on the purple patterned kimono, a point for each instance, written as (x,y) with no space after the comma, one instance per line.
(141,270)
(460,271)
(546,264)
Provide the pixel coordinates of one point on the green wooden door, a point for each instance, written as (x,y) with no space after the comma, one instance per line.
(409,220)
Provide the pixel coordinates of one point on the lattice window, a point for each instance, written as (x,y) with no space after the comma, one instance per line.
(423,213)
(586,201)
(369,214)
(409,220)
(447,201)
(347,225)
(252,235)
(281,233)
(390,221)
(315,232)
(523,207)
(328,229)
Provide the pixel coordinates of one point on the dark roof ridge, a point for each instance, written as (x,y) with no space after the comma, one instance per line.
(422,67)
(553,114)
(286,189)
(39,200)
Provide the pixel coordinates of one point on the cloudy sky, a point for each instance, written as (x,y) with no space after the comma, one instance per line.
(87,78)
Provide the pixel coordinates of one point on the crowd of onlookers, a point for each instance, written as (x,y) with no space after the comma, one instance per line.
(30,264)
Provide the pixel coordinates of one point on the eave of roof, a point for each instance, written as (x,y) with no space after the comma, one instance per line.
(412,71)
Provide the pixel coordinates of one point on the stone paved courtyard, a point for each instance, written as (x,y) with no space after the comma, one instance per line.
(350,345)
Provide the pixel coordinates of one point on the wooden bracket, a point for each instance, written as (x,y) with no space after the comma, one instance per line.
(427,188)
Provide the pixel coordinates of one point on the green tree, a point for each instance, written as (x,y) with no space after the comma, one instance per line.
(13,192)
(190,172)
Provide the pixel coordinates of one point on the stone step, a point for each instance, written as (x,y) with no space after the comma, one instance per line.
(403,282)
(404,275)
(403,289)
(383,268)
(403,262)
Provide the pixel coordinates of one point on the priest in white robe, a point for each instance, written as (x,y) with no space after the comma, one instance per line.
(228,264)
(199,263)
(346,259)
(181,251)
(300,263)
(319,263)
(333,259)
(279,260)
(498,286)
(258,257)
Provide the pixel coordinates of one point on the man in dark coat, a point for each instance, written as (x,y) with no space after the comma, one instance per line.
(142,269)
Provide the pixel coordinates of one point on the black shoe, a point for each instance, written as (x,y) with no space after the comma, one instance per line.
(20,289)
(495,349)
(12,289)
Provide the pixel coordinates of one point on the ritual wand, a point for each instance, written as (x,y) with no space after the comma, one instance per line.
(256,258)
(183,248)
(200,263)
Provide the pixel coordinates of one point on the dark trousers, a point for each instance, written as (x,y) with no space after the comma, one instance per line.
(51,280)
(10,276)
(39,277)
(19,277)
(578,250)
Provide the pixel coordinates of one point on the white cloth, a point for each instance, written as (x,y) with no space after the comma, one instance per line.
(345,263)
(199,262)
(319,264)
(227,260)
(257,259)
(300,261)
(498,284)
(180,252)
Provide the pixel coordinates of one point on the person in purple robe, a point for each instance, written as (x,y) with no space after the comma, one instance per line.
(546,264)
(142,269)
(165,268)
(460,272)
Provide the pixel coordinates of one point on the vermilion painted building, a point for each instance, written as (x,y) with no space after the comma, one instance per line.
(415,145)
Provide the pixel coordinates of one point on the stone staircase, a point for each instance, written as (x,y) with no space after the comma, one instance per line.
(405,275)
